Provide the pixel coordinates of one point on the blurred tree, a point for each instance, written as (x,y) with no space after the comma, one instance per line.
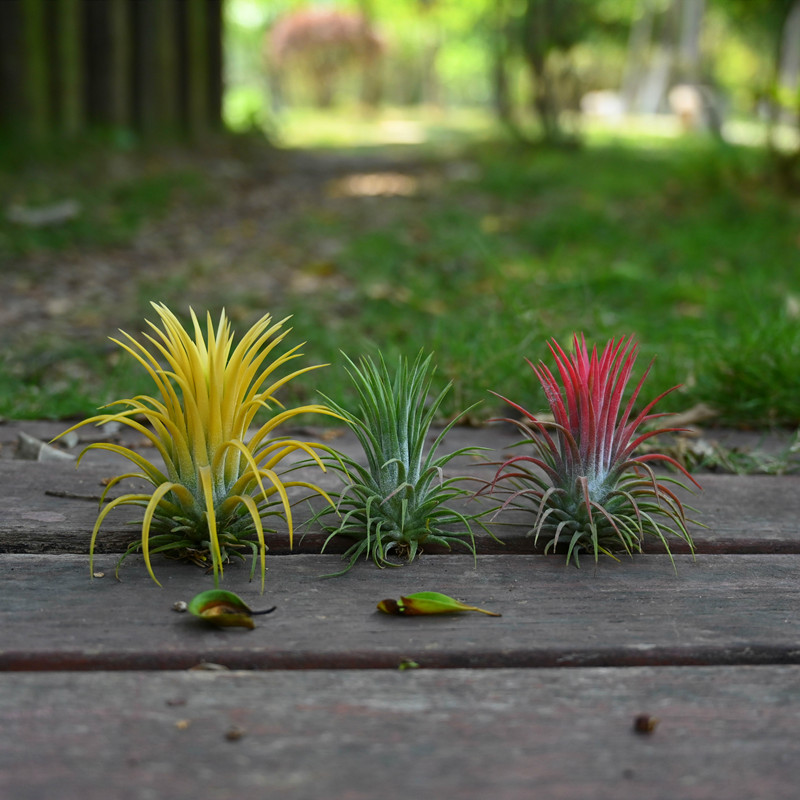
(501,83)
(70,71)
(324,42)
(774,27)
(551,27)
(546,33)
(666,67)
(152,67)
(35,73)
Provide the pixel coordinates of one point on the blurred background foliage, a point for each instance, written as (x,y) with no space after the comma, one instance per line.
(469,176)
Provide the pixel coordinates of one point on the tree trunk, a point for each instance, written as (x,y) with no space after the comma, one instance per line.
(692,13)
(789,59)
(156,81)
(197,67)
(119,102)
(69,32)
(151,66)
(787,85)
(501,93)
(35,82)
(215,87)
(536,36)
(641,37)
(12,96)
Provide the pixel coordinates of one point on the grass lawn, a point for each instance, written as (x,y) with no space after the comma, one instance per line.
(471,248)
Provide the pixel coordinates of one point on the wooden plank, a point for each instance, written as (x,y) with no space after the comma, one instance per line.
(744,514)
(717,610)
(470,734)
(49,508)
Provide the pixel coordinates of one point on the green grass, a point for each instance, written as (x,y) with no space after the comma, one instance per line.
(115,189)
(398,129)
(678,245)
(677,241)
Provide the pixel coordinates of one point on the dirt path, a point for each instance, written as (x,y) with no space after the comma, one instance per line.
(255,238)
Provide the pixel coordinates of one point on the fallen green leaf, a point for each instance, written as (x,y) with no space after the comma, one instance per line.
(424,603)
(224,609)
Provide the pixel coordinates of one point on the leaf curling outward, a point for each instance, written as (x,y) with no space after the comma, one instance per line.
(399,499)
(224,609)
(588,488)
(422,604)
(218,481)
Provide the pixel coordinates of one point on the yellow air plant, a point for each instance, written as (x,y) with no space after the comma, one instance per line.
(218,480)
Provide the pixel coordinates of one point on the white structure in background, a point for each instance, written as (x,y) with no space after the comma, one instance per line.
(693,105)
(603,105)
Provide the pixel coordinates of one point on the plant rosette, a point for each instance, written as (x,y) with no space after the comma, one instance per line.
(399,499)
(218,480)
(585,483)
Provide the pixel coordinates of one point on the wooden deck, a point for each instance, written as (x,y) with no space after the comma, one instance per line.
(106,691)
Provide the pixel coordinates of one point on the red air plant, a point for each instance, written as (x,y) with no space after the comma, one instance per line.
(587,486)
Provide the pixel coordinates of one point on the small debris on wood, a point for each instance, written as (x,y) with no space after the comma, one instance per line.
(233,734)
(180,606)
(644,724)
(95,498)
(98,574)
(183,724)
(209,666)
(110,428)
(694,415)
(70,440)
(176,701)
(29,448)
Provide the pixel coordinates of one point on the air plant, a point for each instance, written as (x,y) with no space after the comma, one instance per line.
(219,480)
(397,501)
(585,481)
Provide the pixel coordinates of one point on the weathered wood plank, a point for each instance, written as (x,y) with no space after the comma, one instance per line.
(471,734)
(717,610)
(48,506)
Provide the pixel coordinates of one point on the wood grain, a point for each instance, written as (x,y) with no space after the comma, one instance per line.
(715,610)
(45,512)
(468,734)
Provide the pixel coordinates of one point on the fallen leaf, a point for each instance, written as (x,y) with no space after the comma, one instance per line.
(691,416)
(425,603)
(224,609)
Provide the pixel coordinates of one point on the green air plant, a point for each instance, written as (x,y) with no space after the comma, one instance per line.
(218,479)
(586,484)
(398,500)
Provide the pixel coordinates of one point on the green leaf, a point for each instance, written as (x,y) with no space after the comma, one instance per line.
(224,609)
(426,603)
